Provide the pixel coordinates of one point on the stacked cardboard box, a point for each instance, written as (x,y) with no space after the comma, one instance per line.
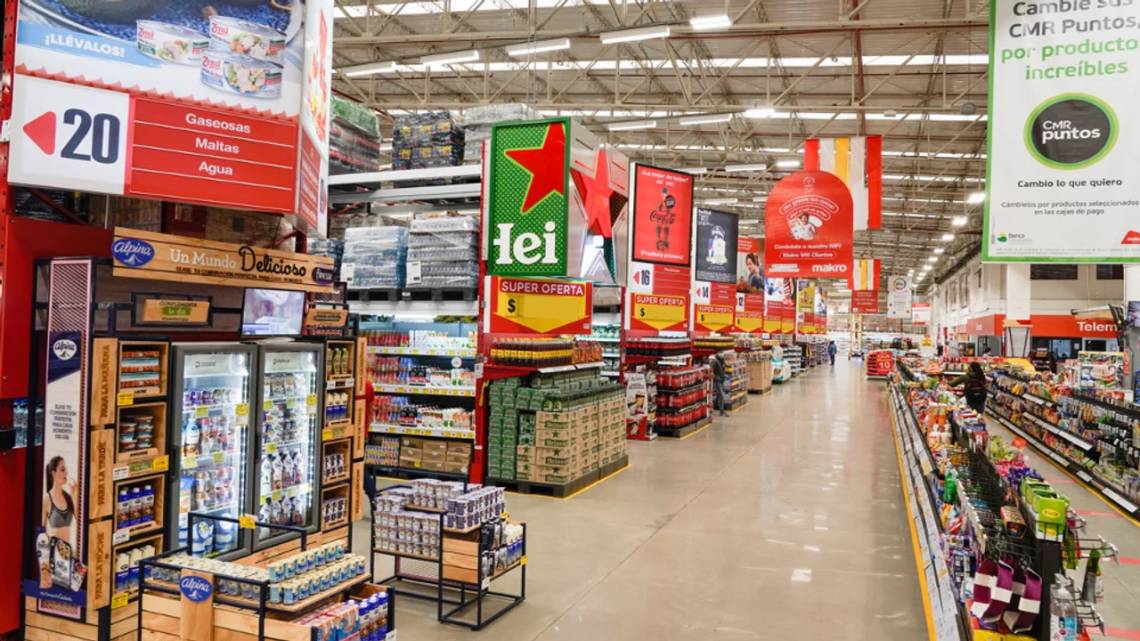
(611,429)
(503,429)
(434,454)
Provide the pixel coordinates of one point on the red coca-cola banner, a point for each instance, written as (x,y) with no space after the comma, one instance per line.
(865,301)
(808,227)
(662,215)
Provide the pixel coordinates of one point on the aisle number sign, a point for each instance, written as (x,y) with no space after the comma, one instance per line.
(712,318)
(657,312)
(539,306)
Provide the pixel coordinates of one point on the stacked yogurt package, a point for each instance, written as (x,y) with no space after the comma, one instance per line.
(374,257)
(236,56)
(443,252)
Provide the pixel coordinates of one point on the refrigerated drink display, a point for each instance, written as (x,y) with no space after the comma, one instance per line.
(288,434)
(213,399)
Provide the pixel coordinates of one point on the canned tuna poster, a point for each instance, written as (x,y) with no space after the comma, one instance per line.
(193,101)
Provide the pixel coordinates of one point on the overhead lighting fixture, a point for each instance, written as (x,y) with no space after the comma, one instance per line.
(456,57)
(696,171)
(758,113)
(976,197)
(634,35)
(939,250)
(720,201)
(927,268)
(959,221)
(369,69)
(932,259)
(753,167)
(541,46)
(630,126)
(947,237)
(759,199)
(910,272)
(788,164)
(710,22)
(713,119)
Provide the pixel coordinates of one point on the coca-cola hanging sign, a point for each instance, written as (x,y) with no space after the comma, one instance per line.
(662,215)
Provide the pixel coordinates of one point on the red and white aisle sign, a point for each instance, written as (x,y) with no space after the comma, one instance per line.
(920,313)
(808,227)
(865,301)
(112,142)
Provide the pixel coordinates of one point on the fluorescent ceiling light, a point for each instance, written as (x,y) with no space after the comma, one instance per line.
(697,171)
(947,237)
(371,68)
(932,259)
(759,112)
(634,35)
(910,272)
(541,46)
(753,167)
(452,58)
(959,221)
(759,199)
(976,197)
(720,201)
(927,268)
(939,250)
(710,22)
(704,120)
(630,126)
(788,164)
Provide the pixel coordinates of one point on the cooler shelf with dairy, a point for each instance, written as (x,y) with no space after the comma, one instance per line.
(212,408)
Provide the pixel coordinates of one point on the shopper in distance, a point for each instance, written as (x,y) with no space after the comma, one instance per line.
(974,387)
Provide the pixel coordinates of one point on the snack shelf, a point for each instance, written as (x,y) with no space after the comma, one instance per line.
(425,390)
(411,430)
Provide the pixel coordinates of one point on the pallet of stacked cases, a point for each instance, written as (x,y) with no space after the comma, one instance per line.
(443,252)
(330,247)
(426,140)
(375,257)
(609,337)
(354,138)
(477,121)
(757,359)
(684,400)
(736,380)
(554,433)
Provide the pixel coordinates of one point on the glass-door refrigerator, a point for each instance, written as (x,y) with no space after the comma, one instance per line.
(212,443)
(288,428)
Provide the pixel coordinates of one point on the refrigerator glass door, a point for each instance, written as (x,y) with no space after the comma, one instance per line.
(288,438)
(213,403)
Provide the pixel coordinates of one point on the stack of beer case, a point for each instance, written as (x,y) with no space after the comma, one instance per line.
(443,252)
(558,428)
(375,257)
(354,138)
(426,140)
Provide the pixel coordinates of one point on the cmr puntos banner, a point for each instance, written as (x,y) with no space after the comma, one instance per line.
(1063,142)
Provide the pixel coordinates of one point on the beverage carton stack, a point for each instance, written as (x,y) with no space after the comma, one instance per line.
(557,429)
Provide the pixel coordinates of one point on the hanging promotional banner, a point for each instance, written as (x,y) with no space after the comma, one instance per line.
(525,217)
(662,215)
(59,579)
(657,313)
(865,301)
(920,313)
(713,305)
(808,228)
(858,162)
(599,200)
(805,306)
(749,271)
(1062,144)
(713,318)
(864,275)
(538,306)
(716,247)
(779,304)
(152,100)
(899,297)
(151,256)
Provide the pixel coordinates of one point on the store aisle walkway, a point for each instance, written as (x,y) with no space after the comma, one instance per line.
(784,521)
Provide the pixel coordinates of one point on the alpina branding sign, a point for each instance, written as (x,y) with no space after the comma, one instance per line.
(153,256)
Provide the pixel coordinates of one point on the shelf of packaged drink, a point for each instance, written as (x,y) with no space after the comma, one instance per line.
(413,430)
(461,352)
(195,461)
(600,339)
(291,492)
(338,382)
(425,390)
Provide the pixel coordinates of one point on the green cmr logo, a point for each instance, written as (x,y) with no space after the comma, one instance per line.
(1071,131)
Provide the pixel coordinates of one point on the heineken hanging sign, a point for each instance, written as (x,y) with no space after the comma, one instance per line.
(1064,136)
(525,217)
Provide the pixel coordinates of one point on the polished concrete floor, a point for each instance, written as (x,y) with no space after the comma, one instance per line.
(784,521)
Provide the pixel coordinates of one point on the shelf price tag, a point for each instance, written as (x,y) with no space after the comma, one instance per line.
(120,473)
(160,463)
(219,458)
(125,398)
(247,522)
(121,536)
(120,600)
(202,411)
(311,400)
(523,561)
(326,434)
(267,405)
(271,448)
(189,462)
(241,409)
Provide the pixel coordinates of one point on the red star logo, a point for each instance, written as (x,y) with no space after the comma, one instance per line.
(598,196)
(546,166)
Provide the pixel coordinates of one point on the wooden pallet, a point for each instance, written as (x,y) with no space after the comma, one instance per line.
(391,295)
(680,432)
(561,491)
